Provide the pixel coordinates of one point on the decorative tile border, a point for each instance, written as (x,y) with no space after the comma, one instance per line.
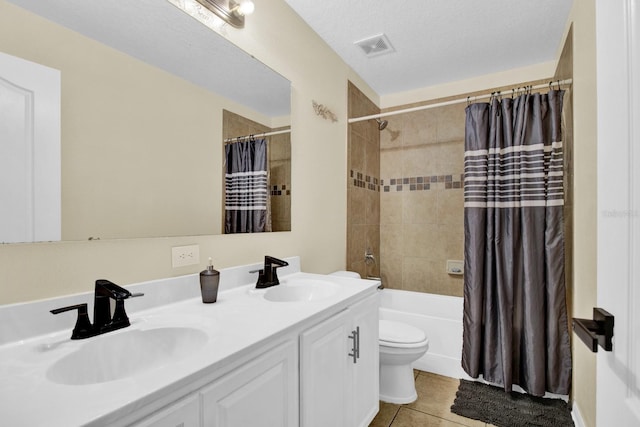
(280,190)
(421,183)
(414,183)
(365,181)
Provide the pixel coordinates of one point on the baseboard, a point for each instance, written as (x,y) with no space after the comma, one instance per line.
(577,416)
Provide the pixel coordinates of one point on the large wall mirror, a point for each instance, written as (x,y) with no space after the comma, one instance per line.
(143,91)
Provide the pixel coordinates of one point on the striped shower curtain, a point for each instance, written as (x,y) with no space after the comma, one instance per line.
(246,187)
(515,315)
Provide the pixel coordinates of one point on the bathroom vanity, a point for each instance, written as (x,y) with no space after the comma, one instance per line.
(302,353)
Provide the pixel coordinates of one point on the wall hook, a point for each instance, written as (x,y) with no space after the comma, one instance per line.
(598,331)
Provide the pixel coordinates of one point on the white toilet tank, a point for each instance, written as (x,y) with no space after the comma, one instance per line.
(343,273)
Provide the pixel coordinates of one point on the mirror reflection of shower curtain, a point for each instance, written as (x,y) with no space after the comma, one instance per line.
(246,187)
(515,312)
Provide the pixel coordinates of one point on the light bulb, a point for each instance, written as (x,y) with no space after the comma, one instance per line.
(246,7)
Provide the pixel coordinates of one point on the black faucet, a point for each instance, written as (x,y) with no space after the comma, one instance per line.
(268,276)
(104,292)
(103,322)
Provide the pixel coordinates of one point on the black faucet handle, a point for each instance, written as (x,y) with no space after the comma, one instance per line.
(80,307)
(83,327)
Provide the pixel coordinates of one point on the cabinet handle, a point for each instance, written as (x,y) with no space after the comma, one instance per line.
(355,351)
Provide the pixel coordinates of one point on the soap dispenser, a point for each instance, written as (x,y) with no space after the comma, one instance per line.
(209,280)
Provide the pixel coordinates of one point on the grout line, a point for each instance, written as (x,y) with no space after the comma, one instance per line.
(432,415)
(394,416)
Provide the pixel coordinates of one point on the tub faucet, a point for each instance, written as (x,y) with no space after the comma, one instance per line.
(268,275)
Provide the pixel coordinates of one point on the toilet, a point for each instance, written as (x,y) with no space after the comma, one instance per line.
(400,345)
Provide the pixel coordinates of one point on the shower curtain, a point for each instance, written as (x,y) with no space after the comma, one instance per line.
(515,321)
(246,187)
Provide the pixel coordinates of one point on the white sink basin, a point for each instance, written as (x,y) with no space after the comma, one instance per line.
(125,353)
(301,290)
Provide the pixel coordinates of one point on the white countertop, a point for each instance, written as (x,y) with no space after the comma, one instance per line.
(240,320)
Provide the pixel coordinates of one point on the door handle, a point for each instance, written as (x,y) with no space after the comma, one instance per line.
(598,331)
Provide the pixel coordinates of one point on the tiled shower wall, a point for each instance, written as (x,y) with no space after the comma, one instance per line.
(421,199)
(419,213)
(280,181)
(363,187)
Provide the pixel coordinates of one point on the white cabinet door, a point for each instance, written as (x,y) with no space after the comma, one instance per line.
(365,372)
(339,368)
(185,413)
(324,378)
(263,393)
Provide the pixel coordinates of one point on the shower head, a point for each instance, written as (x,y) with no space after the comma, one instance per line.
(382,124)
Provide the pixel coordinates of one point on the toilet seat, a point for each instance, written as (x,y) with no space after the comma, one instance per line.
(400,335)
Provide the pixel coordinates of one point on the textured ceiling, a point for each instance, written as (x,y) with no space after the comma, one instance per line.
(158,33)
(438,41)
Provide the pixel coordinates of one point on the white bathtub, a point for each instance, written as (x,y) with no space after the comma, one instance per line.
(440,317)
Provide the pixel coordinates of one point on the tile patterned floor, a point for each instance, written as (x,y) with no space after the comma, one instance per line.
(432,409)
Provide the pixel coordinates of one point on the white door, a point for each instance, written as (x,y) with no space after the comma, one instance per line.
(618,103)
(324,373)
(29,151)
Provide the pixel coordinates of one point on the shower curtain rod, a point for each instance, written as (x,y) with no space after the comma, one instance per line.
(258,135)
(455,101)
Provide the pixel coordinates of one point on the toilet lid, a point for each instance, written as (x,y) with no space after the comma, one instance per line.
(401,333)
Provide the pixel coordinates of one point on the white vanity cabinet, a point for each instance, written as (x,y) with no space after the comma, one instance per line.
(302,359)
(262,393)
(184,413)
(339,368)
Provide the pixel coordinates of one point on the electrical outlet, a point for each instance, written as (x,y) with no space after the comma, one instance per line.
(185,255)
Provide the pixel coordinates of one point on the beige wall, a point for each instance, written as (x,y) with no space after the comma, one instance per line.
(584,207)
(274,34)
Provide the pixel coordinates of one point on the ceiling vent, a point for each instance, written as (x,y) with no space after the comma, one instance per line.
(375,46)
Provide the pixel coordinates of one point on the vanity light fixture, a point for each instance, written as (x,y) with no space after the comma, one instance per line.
(230,11)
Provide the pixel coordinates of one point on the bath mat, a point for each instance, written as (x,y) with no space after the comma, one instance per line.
(492,405)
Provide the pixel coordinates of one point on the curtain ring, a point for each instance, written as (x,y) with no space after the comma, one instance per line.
(468,100)
(550,83)
(559,85)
